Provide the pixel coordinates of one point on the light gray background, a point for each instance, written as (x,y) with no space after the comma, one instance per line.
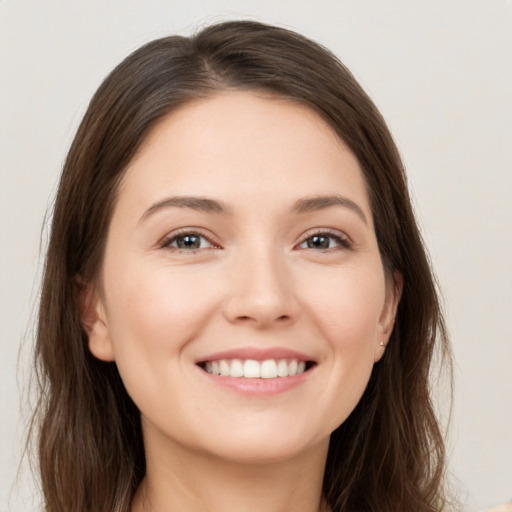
(441,73)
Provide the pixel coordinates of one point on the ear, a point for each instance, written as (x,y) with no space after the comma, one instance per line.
(387,318)
(94,321)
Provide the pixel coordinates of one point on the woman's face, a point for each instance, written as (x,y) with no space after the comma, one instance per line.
(242,242)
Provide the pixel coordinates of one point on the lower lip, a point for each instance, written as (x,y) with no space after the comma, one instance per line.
(258,387)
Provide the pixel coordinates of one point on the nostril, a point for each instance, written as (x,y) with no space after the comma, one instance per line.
(283,320)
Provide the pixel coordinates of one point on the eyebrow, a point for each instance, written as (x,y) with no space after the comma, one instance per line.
(208,205)
(321,202)
(202,204)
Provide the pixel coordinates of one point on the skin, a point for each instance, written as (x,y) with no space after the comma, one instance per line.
(254,281)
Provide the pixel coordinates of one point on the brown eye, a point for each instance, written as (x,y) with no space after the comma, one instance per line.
(188,242)
(318,242)
(324,241)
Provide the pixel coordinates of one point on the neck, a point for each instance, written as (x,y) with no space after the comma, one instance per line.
(186,481)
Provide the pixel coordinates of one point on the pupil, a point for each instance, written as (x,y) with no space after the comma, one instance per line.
(321,242)
(189,242)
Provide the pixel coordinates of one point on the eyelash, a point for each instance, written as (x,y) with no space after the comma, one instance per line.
(342,242)
(167,242)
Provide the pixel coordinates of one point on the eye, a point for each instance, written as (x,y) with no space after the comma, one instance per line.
(188,241)
(324,241)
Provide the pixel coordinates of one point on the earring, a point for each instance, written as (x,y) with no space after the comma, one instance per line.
(381,343)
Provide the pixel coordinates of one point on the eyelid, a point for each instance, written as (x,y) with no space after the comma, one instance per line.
(170,237)
(346,242)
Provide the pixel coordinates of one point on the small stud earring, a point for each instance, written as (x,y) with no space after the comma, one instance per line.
(381,343)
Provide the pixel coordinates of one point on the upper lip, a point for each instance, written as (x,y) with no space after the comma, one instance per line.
(257,354)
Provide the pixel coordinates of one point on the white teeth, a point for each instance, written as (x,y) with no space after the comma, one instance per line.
(224,368)
(269,369)
(237,368)
(282,368)
(252,369)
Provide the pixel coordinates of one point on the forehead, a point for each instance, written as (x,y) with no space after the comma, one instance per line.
(243,144)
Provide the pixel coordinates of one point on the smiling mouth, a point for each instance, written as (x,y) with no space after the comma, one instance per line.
(252,369)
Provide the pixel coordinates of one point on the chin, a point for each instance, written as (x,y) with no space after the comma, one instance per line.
(265,451)
(265,442)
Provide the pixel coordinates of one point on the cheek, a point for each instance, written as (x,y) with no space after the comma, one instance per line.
(347,304)
(156,310)
(153,314)
(346,309)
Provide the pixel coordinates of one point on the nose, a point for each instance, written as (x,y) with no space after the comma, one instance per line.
(260,292)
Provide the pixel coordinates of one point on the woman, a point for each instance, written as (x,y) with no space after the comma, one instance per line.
(237,309)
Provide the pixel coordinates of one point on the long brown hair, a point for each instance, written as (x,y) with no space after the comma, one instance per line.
(389,454)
